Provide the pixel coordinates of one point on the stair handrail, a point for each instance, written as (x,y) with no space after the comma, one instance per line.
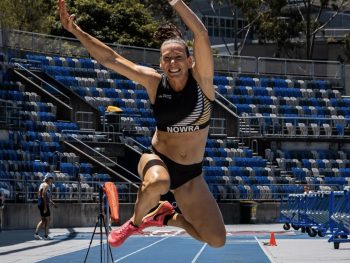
(226,102)
(41,80)
(106,158)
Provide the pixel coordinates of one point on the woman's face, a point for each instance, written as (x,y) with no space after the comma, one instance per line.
(174,60)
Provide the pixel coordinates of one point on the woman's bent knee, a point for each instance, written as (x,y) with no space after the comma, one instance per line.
(217,241)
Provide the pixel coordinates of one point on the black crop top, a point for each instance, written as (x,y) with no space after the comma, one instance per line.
(185,111)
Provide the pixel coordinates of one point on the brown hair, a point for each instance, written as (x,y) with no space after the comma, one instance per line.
(169,33)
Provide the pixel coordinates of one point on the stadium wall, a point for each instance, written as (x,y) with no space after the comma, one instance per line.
(68,215)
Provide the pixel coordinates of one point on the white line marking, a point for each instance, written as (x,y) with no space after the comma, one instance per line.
(128,255)
(199,253)
(265,251)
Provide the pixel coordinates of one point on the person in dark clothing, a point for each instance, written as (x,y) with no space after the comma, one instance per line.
(44,201)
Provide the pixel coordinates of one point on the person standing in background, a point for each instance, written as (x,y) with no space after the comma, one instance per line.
(44,201)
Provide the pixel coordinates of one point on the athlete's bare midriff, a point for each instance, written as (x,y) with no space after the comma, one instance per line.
(183,148)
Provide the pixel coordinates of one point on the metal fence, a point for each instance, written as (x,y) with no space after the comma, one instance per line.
(26,190)
(85,120)
(237,64)
(9,114)
(293,127)
(61,46)
(297,67)
(217,126)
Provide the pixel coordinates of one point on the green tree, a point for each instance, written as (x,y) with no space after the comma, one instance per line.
(310,14)
(161,10)
(287,25)
(124,22)
(265,22)
(28,15)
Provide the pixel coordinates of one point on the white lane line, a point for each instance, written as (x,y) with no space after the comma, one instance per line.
(137,251)
(265,251)
(199,253)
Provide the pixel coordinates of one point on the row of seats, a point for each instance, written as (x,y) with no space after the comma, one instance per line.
(25,103)
(228,152)
(111,93)
(318,163)
(302,173)
(73,169)
(225,170)
(18,95)
(76,71)
(57,175)
(11,85)
(282,82)
(310,154)
(293,111)
(95,90)
(41,136)
(94,84)
(316,167)
(292,128)
(49,126)
(25,156)
(278,92)
(26,166)
(248,180)
(268,118)
(222,143)
(65,61)
(46,164)
(290,101)
(231,192)
(87,63)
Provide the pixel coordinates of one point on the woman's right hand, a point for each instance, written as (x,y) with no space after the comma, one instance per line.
(65,17)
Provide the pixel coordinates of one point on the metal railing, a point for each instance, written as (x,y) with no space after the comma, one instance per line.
(86,190)
(292,126)
(61,46)
(217,126)
(333,33)
(297,67)
(273,192)
(83,190)
(48,88)
(93,152)
(92,136)
(85,120)
(238,64)
(226,102)
(135,145)
(9,114)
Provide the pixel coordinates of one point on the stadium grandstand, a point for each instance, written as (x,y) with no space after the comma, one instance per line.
(278,125)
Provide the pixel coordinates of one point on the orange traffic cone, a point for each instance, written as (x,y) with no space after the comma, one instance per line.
(272,240)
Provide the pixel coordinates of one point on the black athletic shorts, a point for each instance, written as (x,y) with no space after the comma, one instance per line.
(41,209)
(179,173)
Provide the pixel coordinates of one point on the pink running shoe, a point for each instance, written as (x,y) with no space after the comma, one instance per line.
(118,236)
(156,217)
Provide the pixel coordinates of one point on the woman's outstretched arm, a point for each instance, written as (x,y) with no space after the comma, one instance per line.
(106,55)
(204,64)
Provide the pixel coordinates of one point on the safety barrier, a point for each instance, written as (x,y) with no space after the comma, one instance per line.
(321,213)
